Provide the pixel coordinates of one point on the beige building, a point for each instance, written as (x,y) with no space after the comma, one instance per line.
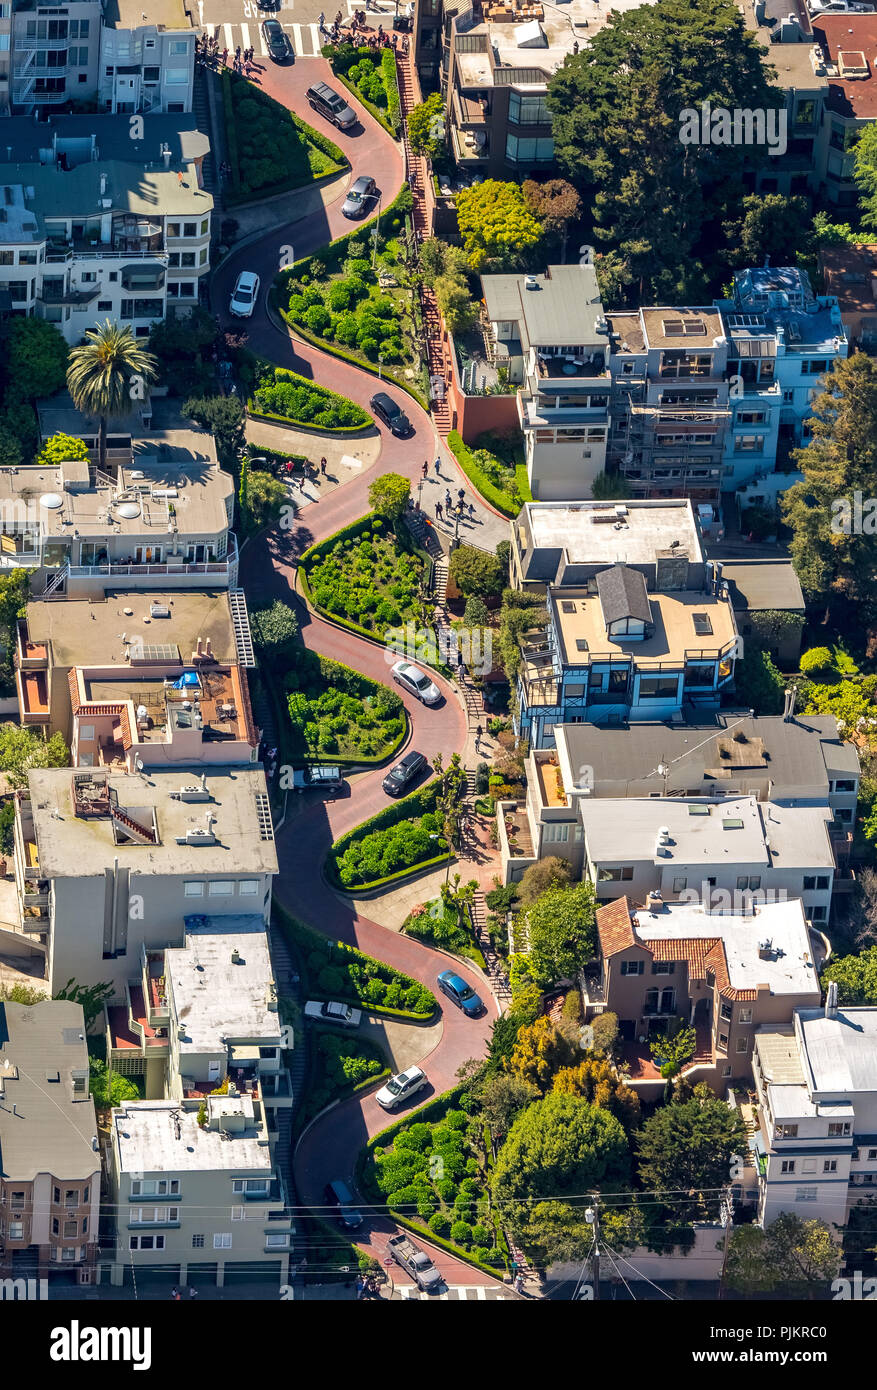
(50,1170)
(724,974)
(109,863)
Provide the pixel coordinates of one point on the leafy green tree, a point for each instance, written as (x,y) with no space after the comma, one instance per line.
(225,418)
(563,934)
(426,126)
(617,116)
(36,359)
(440,259)
(791,1253)
(59,449)
(550,872)
(476,571)
(860,1232)
(244,493)
(518,613)
(828,233)
(502,1099)
(604,1032)
(11,451)
(865,174)
(14,589)
(758,683)
(275,629)
(107,1089)
(22,994)
(19,418)
(108,375)
(91,997)
(21,749)
(855,977)
(541,1049)
(850,701)
(685,1151)
(832,554)
(773,224)
(266,498)
(610,487)
(389,496)
(557,1149)
(475,613)
(457,306)
(596,1080)
(498,232)
(674,1052)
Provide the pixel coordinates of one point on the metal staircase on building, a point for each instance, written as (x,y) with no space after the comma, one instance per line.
(240,620)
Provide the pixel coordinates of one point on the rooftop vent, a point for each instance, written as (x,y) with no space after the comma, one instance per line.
(531,283)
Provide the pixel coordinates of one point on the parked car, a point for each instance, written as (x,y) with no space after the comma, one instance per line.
(327,778)
(393,416)
(338,1195)
(332,1012)
(360,196)
(245,294)
(416,1262)
(404,773)
(416,682)
(401,1087)
(332,106)
(461,994)
(277,41)
(268,4)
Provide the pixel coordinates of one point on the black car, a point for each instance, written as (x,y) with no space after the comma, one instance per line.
(404,773)
(360,197)
(329,104)
(338,1195)
(277,41)
(393,417)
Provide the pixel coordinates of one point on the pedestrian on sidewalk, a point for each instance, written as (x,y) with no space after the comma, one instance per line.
(449,501)
(461,495)
(438,510)
(224,56)
(519,1283)
(321,20)
(438,465)
(193,1292)
(425,469)
(471,511)
(323,467)
(175,1294)
(360,1287)
(479,732)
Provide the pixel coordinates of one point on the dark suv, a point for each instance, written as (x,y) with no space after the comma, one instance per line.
(393,416)
(332,106)
(338,1195)
(403,774)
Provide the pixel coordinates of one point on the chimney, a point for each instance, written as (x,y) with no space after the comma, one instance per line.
(166,155)
(198,649)
(831,1001)
(203,781)
(791,696)
(103,185)
(207,651)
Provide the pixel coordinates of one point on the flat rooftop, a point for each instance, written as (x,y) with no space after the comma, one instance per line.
(791,61)
(648,527)
(851,43)
(780,1061)
(799,836)
(154,1137)
(626,327)
(840,1054)
(125,184)
(849,272)
(789,970)
(559,29)
(760,584)
(693,330)
(579,619)
(138,14)
(218,999)
(40,143)
(222,702)
(50,1132)
(625,831)
(561,311)
(19,224)
(88,632)
(70,845)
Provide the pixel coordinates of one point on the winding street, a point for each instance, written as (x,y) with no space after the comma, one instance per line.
(330,1147)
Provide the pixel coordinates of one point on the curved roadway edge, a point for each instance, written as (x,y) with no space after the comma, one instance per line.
(330,1146)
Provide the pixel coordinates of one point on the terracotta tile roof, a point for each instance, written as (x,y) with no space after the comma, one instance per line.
(615,927)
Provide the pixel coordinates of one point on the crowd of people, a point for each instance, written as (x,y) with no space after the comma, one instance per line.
(209,54)
(357,32)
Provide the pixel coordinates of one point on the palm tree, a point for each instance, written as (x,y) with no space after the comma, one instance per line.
(103,372)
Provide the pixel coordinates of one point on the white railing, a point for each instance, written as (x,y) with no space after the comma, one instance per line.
(113,571)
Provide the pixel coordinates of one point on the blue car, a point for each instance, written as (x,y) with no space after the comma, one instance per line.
(460,993)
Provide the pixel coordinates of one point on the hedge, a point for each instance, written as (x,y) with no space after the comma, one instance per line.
(488,490)
(385,70)
(278,455)
(408,808)
(233,196)
(332,404)
(305,333)
(305,939)
(360,759)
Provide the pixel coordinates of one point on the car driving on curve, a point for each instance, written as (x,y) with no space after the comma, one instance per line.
(360,196)
(404,773)
(401,1087)
(332,1012)
(416,682)
(331,106)
(393,416)
(461,994)
(277,41)
(245,294)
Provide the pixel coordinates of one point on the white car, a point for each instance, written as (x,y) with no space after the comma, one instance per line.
(246,292)
(416,682)
(401,1087)
(333,1012)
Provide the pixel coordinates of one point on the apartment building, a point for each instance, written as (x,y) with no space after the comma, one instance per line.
(814,1142)
(51,1168)
(199,1195)
(637,626)
(107,863)
(140,644)
(850,273)
(158,513)
(55,54)
(758,588)
(95,224)
(549,334)
(726,974)
(794,762)
(147,57)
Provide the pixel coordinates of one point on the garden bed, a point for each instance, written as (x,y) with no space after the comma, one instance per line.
(372,79)
(394,843)
(367,577)
(494,471)
(289,399)
(443,925)
(334,970)
(340,1065)
(270,149)
(339,715)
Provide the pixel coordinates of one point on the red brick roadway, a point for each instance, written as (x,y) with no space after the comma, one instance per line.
(330,1147)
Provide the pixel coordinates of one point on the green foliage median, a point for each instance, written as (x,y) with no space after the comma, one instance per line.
(391,844)
(270,149)
(341,1065)
(336,713)
(499,483)
(373,81)
(294,400)
(367,575)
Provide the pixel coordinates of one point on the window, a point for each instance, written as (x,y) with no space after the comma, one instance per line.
(744,1016)
(819,914)
(176,77)
(787,1131)
(872,1155)
(839,1128)
(787,1165)
(193,889)
(71,1230)
(69,1254)
(702,624)
(527,151)
(742,1044)
(556,832)
(146,1242)
(680,885)
(179,46)
(748,443)
(250,1186)
(221,888)
(190,229)
(806,1194)
(723,1041)
(727,1011)
(844,786)
(658,687)
(632,967)
(615,873)
(222,1241)
(528,110)
(829,1165)
(238,1213)
(56,1226)
(663,967)
(151,74)
(205,226)
(248,887)
(16,1230)
(154,1187)
(104,305)
(56,1195)
(276,1241)
(198,1242)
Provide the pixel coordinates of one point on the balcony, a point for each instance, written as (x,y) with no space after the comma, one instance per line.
(471,110)
(550,781)
(213,573)
(472,148)
(81,249)
(565,366)
(514,829)
(33,696)
(50,294)
(30,656)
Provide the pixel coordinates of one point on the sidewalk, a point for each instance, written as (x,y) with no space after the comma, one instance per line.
(346,458)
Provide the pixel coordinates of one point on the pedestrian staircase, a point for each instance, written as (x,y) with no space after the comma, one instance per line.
(471,789)
(440,579)
(201,108)
(474,703)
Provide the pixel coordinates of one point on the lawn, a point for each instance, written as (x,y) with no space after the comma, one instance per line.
(339,1065)
(434,1173)
(336,712)
(494,465)
(294,400)
(368,575)
(270,149)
